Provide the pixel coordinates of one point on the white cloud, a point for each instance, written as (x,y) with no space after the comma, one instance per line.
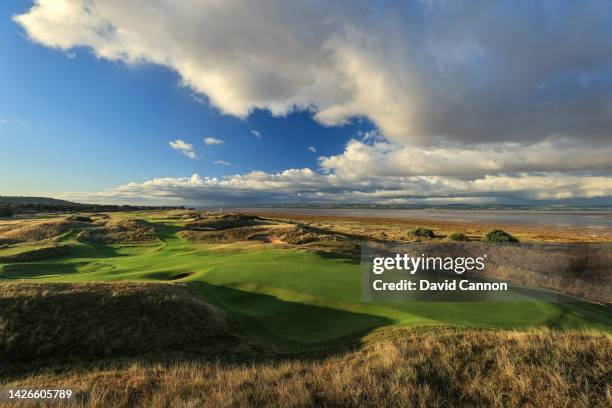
(386,159)
(460,110)
(312,149)
(306,185)
(184,148)
(213,141)
(222,163)
(3,121)
(422,71)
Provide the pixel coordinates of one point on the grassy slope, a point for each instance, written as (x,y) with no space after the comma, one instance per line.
(290,296)
(435,367)
(58,323)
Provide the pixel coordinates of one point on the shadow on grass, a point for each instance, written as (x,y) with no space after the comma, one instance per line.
(112,329)
(580,311)
(294,326)
(36,270)
(348,258)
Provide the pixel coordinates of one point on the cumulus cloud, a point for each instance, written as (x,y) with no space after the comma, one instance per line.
(312,149)
(213,141)
(184,148)
(474,100)
(385,159)
(222,163)
(305,185)
(422,71)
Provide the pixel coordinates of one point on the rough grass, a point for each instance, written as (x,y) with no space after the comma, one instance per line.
(58,323)
(394,229)
(223,221)
(40,230)
(413,368)
(119,230)
(275,232)
(34,253)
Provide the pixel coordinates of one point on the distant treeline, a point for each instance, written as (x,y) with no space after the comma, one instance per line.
(15,205)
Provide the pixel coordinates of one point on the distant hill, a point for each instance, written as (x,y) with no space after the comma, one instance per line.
(19,201)
(10,205)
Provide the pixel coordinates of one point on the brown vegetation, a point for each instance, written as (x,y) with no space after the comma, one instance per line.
(440,367)
(44,324)
(119,230)
(272,231)
(223,221)
(40,230)
(396,229)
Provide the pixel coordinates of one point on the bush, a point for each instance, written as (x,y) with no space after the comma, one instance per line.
(6,211)
(499,236)
(420,232)
(457,236)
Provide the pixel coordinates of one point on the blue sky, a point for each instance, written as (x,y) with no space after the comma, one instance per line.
(88,124)
(402,101)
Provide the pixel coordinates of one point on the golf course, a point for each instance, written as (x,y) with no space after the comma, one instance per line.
(285,294)
(163,308)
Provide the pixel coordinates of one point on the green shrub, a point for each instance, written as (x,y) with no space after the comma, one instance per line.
(6,211)
(420,232)
(457,236)
(499,236)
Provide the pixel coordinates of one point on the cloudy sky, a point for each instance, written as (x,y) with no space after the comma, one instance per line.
(209,102)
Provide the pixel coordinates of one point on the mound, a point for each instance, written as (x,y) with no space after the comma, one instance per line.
(56,323)
(101,215)
(80,218)
(217,222)
(118,231)
(227,235)
(41,230)
(36,254)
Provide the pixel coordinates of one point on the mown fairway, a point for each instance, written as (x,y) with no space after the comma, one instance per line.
(289,296)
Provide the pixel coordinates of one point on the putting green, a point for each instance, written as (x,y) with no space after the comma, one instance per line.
(289,296)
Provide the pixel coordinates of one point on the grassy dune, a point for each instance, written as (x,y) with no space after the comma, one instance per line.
(176,311)
(282,293)
(58,323)
(439,367)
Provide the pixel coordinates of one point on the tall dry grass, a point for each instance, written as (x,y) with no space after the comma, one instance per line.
(439,368)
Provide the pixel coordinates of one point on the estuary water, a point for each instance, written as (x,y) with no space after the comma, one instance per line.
(585,219)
